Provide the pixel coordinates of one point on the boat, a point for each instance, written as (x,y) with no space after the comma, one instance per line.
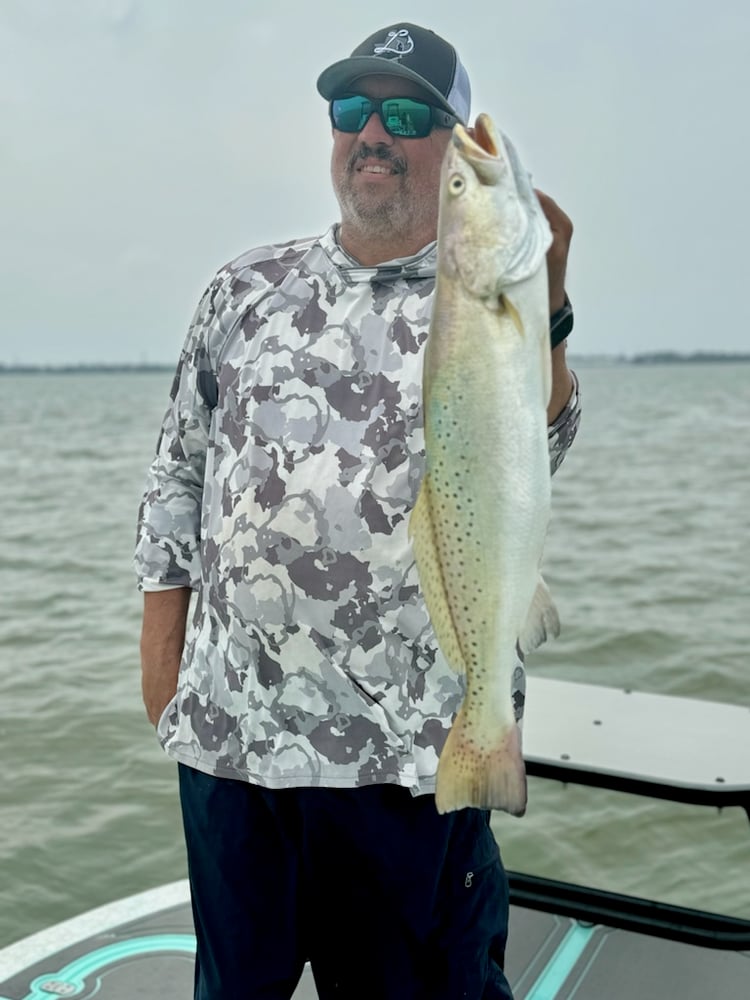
(567,942)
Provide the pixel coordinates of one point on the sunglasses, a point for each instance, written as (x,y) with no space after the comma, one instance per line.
(403,117)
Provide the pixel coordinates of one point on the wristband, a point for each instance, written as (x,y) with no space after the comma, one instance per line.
(560,324)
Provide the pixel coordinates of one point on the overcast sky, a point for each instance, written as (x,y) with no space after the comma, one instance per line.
(143,143)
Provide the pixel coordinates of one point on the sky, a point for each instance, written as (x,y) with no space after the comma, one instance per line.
(144,143)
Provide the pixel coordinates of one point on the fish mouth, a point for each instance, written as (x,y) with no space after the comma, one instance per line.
(484,135)
(480,147)
(478,141)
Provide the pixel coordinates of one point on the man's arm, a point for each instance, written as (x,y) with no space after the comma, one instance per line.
(162,639)
(167,560)
(557,260)
(562,384)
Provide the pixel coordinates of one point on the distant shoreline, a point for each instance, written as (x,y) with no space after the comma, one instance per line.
(95,368)
(663,358)
(652,358)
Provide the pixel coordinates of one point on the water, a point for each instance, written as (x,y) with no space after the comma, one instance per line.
(647,558)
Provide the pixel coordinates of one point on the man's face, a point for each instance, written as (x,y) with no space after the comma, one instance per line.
(388,186)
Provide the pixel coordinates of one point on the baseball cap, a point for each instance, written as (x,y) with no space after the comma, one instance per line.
(411,52)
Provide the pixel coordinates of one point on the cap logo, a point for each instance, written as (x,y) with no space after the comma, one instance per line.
(397,44)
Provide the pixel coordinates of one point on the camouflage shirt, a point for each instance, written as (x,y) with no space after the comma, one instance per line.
(288,462)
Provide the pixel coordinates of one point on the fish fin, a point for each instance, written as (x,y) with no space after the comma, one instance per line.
(472,773)
(422,531)
(512,312)
(542,620)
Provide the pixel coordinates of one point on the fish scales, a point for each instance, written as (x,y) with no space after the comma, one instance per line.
(481,515)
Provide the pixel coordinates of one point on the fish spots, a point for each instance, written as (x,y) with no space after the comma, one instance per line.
(458,548)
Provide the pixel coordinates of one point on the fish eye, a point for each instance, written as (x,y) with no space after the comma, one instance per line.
(456,184)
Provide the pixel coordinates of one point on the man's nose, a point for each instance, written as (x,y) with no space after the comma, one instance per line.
(372,132)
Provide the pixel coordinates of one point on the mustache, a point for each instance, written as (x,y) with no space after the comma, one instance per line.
(380,152)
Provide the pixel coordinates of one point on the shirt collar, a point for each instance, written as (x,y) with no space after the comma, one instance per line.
(420,265)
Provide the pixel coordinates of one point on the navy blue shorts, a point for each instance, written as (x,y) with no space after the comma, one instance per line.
(384,897)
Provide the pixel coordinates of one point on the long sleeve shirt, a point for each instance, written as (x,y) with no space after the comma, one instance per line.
(288,463)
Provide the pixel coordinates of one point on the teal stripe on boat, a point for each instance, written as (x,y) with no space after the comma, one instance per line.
(70,980)
(561,964)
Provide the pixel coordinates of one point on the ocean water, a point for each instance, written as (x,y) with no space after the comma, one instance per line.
(647,558)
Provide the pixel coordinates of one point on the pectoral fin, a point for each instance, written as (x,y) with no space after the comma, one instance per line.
(422,532)
(514,314)
(542,620)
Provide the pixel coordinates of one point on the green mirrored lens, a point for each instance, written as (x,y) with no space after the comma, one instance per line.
(401,116)
(404,117)
(349,114)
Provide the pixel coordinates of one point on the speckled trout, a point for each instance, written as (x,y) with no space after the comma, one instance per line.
(480,519)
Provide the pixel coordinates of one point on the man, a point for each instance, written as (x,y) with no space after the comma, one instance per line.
(312,701)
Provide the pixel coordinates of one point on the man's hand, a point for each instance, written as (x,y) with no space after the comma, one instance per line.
(162,639)
(557,255)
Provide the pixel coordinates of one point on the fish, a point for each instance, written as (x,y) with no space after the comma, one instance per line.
(480,519)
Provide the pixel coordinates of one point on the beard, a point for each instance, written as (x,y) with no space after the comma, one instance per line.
(372,212)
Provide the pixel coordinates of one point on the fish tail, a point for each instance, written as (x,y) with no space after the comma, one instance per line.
(485,776)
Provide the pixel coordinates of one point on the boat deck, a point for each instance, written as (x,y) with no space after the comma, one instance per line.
(550,958)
